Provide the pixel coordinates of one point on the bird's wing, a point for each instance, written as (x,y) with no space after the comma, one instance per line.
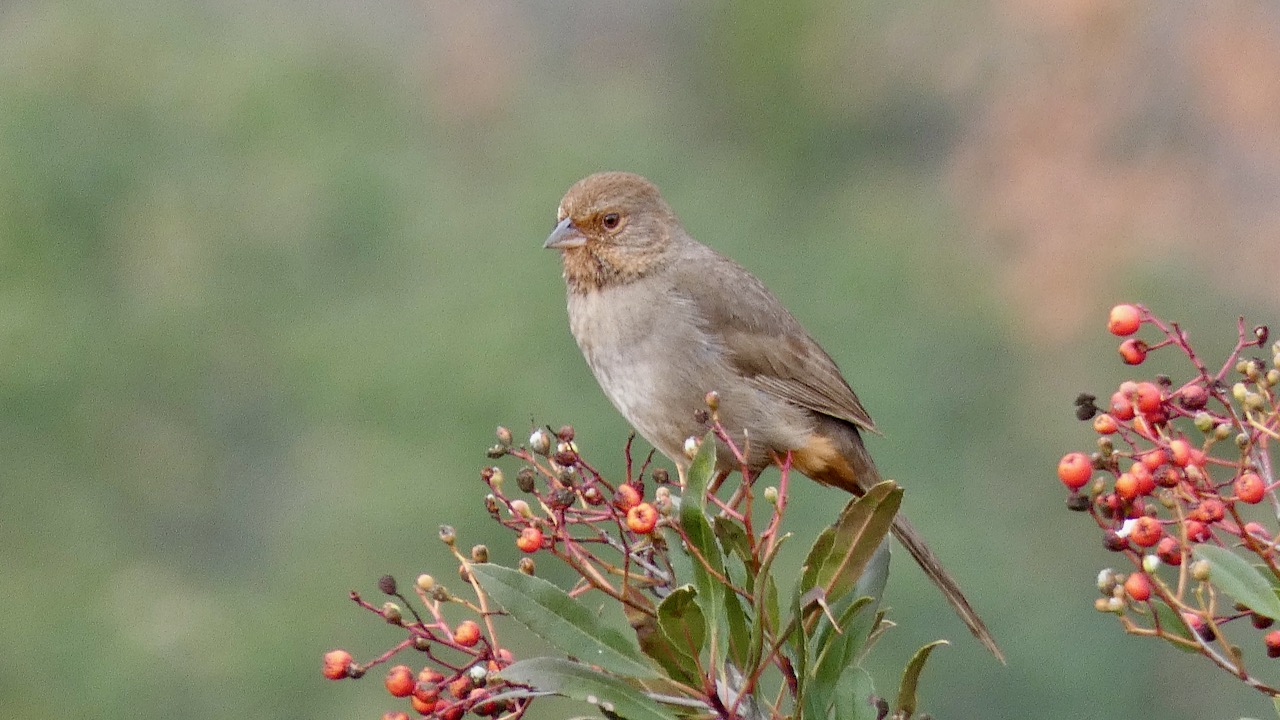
(766,344)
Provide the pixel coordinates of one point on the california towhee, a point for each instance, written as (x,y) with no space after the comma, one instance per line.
(663,319)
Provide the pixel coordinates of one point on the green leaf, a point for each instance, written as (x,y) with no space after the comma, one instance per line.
(1275,702)
(853,695)
(725,620)
(876,575)
(677,663)
(1171,622)
(577,681)
(683,624)
(1242,581)
(564,622)
(835,564)
(698,477)
(834,647)
(911,677)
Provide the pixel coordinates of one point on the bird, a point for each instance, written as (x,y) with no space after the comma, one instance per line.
(662,320)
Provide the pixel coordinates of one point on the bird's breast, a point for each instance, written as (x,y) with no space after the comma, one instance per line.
(649,356)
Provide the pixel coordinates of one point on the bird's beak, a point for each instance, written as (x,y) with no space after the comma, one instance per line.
(565,236)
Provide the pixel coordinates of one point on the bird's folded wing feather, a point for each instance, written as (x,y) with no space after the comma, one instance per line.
(766,344)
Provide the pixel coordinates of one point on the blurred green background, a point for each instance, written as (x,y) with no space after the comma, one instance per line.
(270,274)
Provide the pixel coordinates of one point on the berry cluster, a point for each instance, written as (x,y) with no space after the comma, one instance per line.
(1172,485)
(464,659)
(571,513)
(575,514)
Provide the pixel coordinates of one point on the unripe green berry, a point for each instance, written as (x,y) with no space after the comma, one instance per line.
(1150,563)
(448,535)
(1242,440)
(480,554)
(1238,391)
(504,435)
(526,566)
(1200,570)
(1273,377)
(1204,422)
(1222,431)
(426,582)
(771,495)
(391,613)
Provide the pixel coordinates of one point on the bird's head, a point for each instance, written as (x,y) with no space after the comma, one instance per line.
(611,228)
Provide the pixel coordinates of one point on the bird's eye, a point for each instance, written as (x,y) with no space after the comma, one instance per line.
(611,221)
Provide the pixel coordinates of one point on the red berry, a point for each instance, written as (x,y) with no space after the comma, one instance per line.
(1180,452)
(1169,552)
(460,687)
(627,497)
(1124,320)
(336,664)
(1169,476)
(1127,486)
(397,715)
(400,681)
(422,707)
(1213,510)
(1137,586)
(426,692)
(1272,641)
(1121,406)
(1104,424)
(467,634)
(480,702)
(1074,470)
(530,540)
(1146,481)
(1250,488)
(1154,459)
(1193,397)
(447,711)
(1133,351)
(1147,398)
(1196,624)
(642,518)
(1146,531)
(1197,531)
(429,676)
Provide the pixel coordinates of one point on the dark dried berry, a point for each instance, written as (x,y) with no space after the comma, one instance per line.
(1077,502)
(565,433)
(562,498)
(565,458)
(1113,542)
(702,417)
(660,476)
(387,584)
(525,478)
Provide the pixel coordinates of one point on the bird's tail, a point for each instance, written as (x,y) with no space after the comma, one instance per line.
(845,463)
(932,567)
